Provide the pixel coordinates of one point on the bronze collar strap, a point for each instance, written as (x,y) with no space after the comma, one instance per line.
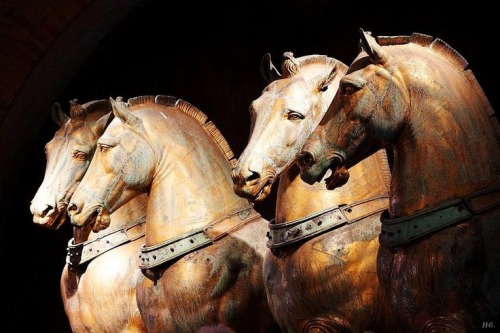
(283,234)
(156,255)
(81,253)
(402,230)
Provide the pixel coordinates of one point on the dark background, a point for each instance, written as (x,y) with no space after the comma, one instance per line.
(208,53)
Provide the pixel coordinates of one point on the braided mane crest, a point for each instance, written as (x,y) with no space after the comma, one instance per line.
(98,105)
(437,45)
(311,60)
(96,109)
(194,113)
(384,167)
(319,59)
(442,49)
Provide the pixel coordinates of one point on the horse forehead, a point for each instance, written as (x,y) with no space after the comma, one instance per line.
(281,93)
(283,85)
(115,130)
(119,134)
(71,134)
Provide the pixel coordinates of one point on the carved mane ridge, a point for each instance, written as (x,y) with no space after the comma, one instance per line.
(193,112)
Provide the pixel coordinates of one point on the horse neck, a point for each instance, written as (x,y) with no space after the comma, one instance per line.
(295,199)
(189,196)
(131,212)
(444,152)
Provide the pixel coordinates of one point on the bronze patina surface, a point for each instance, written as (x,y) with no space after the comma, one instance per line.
(416,95)
(167,148)
(98,280)
(321,269)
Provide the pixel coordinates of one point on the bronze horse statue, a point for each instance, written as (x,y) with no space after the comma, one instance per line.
(204,245)
(439,258)
(98,279)
(321,269)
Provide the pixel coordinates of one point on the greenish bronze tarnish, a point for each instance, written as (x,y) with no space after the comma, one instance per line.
(325,283)
(98,295)
(167,148)
(415,95)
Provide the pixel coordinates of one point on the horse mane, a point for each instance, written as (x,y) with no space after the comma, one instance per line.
(98,105)
(195,113)
(449,54)
(309,60)
(320,59)
(383,165)
(437,45)
(96,109)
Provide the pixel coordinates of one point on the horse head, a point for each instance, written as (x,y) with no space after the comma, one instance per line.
(366,114)
(288,110)
(68,156)
(125,179)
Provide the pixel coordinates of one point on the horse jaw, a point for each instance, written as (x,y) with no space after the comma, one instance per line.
(96,216)
(339,176)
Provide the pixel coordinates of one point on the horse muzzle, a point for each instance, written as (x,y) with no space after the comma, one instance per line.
(48,215)
(252,187)
(312,170)
(95,216)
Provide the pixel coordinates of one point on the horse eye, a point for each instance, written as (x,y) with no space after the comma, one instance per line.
(347,88)
(294,116)
(103,148)
(79,155)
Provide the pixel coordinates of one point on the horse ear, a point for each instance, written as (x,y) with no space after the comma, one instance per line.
(58,115)
(120,110)
(267,69)
(110,118)
(102,123)
(325,81)
(371,47)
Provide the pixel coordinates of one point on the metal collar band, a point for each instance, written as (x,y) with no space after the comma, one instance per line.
(81,253)
(283,234)
(402,230)
(158,254)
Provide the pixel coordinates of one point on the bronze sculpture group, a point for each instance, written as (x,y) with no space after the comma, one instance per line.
(102,265)
(358,243)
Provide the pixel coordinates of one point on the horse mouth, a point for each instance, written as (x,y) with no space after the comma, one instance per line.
(339,173)
(264,190)
(53,221)
(99,220)
(255,190)
(51,218)
(93,219)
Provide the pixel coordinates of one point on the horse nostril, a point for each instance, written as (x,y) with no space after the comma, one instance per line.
(305,160)
(72,208)
(47,210)
(252,177)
